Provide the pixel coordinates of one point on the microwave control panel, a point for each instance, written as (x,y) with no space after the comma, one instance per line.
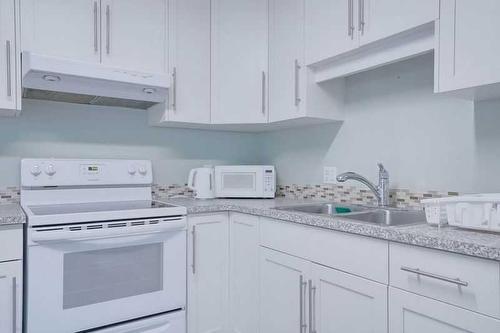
(269,181)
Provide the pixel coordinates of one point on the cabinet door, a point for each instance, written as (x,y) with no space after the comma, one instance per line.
(8,70)
(468,44)
(283,292)
(244,273)
(330,28)
(286,59)
(409,313)
(239,61)
(378,19)
(62,28)
(11,282)
(208,273)
(189,31)
(347,303)
(134,34)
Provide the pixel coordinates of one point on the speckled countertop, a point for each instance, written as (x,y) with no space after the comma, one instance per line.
(478,244)
(11,214)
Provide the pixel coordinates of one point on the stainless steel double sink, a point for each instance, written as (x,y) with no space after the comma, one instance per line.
(377,215)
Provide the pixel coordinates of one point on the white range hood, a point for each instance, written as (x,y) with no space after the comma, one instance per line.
(58,79)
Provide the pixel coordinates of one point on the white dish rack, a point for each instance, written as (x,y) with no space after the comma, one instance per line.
(479,211)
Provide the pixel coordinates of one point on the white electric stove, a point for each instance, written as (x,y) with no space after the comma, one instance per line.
(101,255)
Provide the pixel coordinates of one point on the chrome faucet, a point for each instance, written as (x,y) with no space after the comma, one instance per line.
(381,191)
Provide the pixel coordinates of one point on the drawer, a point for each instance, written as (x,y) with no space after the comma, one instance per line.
(363,256)
(468,282)
(11,242)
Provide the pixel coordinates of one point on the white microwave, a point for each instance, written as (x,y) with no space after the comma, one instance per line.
(245,181)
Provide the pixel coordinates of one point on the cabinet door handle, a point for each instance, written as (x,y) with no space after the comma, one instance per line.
(263,92)
(108,29)
(14,304)
(96,29)
(312,308)
(419,272)
(297,83)
(302,307)
(9,69)
(361,16)
(174,89)
(350,18)
(193,264)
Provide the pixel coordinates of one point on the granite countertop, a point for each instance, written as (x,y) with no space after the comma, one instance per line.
(461,241)
(11,214)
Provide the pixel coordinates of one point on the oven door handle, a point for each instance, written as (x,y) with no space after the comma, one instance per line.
(44,236)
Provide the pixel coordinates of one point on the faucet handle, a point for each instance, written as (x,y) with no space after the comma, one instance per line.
(383,173)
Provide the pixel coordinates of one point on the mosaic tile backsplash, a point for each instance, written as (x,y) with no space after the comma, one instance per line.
(339,193)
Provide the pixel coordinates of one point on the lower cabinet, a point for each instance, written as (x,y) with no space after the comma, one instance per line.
(208,273)
(301,296)
(410,313)
(11,282)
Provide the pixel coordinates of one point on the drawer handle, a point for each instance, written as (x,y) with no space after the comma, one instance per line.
(435,276)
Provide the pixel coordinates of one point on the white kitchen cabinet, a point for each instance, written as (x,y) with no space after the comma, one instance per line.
(208,273)
(239,61)
(134,34)
(61,28)
(10,100)
(346,303)
(379,19)
(293,94)
(468,48)
(189,65)
(243,273)
(283,290)
(11,282)
(410,313)
(330,28)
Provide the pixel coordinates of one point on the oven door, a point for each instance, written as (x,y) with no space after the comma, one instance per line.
(81,280)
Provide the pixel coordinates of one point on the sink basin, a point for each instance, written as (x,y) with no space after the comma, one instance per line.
(389,217)
(325,208)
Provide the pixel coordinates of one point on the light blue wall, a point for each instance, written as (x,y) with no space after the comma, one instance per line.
(47,129)
(427,141)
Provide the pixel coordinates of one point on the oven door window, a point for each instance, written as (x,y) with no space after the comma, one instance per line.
(97,276)
(239,181)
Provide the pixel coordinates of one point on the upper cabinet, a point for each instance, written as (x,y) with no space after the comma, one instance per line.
(10,100)
(239,61)
(293,94)
(344,37)
(469,48)
(126,34)
(61,28)
(134,34)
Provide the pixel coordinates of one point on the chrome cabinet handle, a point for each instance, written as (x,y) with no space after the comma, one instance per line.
(96,29)
(361,16)
(302,307)
(434,276)
(14,304)
(9,70)
(174,89)
(312,308)
(193,264)
(263,92)
(108,28)
(297,83)
(350,18)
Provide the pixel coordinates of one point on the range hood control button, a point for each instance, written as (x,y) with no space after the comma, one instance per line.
(35,170)
(50,170)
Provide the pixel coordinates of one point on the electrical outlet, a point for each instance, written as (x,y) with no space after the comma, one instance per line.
(329,175)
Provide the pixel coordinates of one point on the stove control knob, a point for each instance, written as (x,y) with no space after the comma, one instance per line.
(131,170)
(35,170)
(143,170)
(50,170)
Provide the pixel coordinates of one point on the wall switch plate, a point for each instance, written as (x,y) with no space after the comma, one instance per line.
(329,175)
